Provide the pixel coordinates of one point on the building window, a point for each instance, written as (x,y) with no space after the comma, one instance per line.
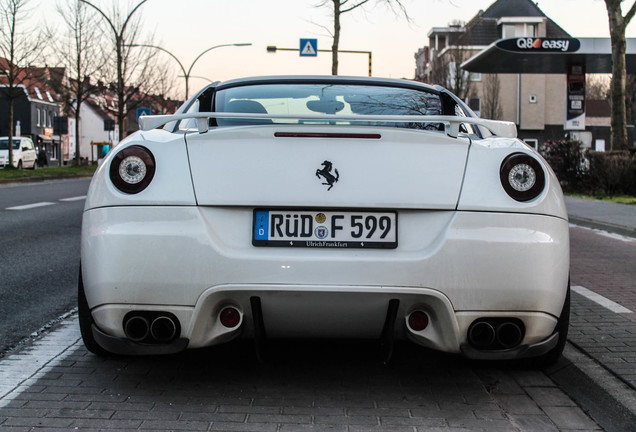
(50,119)
(475,76)
(475,105)
(518,30)
(532,142)
(37,92)
(39,115)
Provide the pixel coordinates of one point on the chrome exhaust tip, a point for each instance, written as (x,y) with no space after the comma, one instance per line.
(163,329)
(481,334)
(509,334)
(136,328)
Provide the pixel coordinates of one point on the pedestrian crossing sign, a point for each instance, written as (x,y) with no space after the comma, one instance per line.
(308,47)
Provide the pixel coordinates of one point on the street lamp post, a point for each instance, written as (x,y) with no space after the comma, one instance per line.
(186,74)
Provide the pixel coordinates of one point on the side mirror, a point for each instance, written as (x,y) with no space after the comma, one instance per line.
(25,148)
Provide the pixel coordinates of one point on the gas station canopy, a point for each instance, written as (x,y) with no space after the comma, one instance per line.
(530,55)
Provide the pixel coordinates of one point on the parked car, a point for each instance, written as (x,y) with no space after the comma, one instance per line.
(325,207)
(24,154)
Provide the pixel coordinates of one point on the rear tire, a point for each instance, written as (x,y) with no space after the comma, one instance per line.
(35,165)
(20,164)
(86,320)
(552,356)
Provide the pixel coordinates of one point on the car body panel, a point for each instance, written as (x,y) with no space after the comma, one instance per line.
(167,189)
(281,171)
(196,248)
(482,187)
(466,251)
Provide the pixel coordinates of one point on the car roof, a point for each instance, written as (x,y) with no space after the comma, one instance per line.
(325,79)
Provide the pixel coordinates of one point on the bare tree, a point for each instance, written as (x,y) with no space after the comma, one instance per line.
(457,79)
(343,6)
(597,86)
(446,68)
(81,53)
(165,83)
(18,46)
(617,26)
(130,69)
(492,91)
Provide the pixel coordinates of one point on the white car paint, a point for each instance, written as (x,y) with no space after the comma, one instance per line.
(466,250)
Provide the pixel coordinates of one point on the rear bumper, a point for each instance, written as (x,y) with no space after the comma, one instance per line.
(455,266)
(324,312)
(124,346)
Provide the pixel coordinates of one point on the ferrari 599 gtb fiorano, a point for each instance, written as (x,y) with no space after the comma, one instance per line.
(325,207)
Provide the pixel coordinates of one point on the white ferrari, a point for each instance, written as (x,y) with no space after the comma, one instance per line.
(325,207)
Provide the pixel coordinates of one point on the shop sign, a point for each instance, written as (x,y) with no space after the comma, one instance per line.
(539,45)
(575,116)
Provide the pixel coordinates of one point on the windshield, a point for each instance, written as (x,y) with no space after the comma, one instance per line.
(4,144)
(335,99)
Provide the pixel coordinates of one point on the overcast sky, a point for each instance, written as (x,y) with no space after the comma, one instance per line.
(188,27)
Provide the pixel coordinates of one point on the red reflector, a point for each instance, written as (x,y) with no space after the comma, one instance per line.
(230,317)
(418,321)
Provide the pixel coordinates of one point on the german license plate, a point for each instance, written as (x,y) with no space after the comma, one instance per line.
(325,229)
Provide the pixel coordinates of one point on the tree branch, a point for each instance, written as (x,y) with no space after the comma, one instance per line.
(349,9)
(630,14)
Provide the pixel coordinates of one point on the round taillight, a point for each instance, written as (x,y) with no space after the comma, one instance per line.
(418,320)
(132,169)
(522,176)
(230,317)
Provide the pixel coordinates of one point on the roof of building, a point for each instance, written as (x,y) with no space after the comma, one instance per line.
(94,105)
(483,29)
(36,89)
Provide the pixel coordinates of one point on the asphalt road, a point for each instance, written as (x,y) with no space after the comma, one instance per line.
(39,254)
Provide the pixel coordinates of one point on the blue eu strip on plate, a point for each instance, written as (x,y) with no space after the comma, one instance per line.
(261,225)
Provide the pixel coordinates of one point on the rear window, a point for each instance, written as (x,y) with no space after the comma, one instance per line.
(326,99)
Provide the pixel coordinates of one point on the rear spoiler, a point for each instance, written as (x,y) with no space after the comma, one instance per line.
(452,123)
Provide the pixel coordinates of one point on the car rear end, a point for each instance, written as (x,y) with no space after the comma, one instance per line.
(281,229)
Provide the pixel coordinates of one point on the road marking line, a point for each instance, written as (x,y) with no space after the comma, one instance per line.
(30,206)
(603,301)
(76,198)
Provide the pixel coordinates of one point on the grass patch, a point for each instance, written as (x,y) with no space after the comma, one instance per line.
(619,199)
(52,172)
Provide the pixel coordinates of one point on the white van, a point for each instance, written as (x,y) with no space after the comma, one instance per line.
(24,154)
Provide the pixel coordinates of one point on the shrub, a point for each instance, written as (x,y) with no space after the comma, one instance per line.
(568,161)
(613,173)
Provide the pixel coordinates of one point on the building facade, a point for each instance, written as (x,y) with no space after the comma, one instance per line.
(35,107)
(536,103)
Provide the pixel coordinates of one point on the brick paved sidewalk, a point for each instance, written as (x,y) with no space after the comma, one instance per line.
(607,337)
(330,387)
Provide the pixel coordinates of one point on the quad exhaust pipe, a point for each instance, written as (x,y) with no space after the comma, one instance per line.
(509,334)
(489,334)
(151,327)
(136,328)
(163,329)
(481,334)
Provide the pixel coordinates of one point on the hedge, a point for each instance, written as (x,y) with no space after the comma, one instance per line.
(580,170)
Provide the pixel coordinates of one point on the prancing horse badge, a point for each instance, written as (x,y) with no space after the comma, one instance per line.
(325,173)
